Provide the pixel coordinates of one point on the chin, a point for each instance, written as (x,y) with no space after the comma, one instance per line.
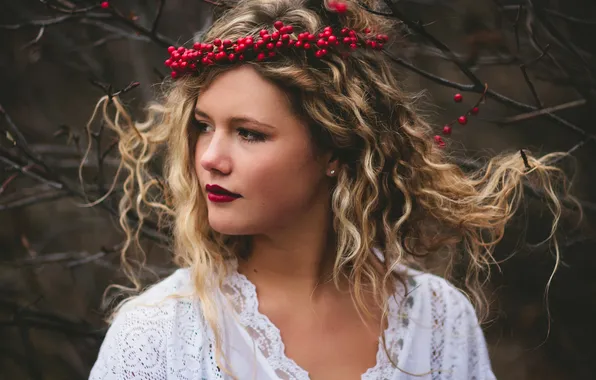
(230,227)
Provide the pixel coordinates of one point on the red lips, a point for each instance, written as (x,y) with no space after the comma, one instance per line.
(218,194)
(215,189)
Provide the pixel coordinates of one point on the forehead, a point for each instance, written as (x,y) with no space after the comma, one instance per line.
(243,90)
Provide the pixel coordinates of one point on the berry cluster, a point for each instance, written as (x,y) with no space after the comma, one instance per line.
(463,119)
(268,45)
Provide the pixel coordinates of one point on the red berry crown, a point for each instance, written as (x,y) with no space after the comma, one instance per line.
(268,45)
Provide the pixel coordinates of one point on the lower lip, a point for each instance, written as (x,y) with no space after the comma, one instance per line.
(220,198)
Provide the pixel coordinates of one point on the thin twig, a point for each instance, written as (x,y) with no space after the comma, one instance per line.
(516,27)
(540,112)
(568,18)
(418,28)
(525,159)
(558,36)
(30,200)
(28,173)
(36,40)
(161,4)
(531,86)
(69,11)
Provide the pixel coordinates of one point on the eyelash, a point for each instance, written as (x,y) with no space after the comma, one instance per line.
(257,137)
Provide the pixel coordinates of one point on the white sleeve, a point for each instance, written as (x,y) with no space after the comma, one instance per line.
(465,355)
(135,347)
(156,337)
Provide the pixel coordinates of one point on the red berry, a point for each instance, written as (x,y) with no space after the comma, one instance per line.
(261,56)
(306,46)
(217,42)
(105,4)
(446,130)
(438,138)
(367,30)
(174,74)
(474,111)
(321,53)
(278,25)
(227,43)
(462,120)
(458,98)
(339,7)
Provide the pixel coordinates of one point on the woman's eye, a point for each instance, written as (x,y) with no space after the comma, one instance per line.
(251,136)
(245,134)
(199,126)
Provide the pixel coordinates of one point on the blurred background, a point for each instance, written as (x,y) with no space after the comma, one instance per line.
(58,57)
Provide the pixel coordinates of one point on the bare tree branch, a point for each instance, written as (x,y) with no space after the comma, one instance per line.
(24,201)
(568,18)
(543,111)
(418,28)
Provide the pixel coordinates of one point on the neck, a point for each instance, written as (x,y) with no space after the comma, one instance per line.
(299,259)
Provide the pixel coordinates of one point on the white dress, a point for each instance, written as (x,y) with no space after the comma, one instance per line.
(432,332)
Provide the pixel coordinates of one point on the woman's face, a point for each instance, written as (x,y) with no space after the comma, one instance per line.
(251,143)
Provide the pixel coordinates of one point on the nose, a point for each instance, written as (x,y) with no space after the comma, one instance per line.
(214,155)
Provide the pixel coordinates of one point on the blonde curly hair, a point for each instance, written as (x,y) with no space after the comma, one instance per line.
(396,190)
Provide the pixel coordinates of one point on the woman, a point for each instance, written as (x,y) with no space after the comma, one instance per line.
(302,189)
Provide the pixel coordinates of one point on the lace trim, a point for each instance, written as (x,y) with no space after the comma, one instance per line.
(267,337)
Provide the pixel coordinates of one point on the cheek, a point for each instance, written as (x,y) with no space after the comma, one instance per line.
(283,183)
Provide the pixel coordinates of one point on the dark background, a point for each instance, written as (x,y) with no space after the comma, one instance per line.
(57,256)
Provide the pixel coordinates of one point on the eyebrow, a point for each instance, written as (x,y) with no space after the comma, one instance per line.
(236,119)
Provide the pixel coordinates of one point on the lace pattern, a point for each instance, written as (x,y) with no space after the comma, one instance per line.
(266,335)
(432,330)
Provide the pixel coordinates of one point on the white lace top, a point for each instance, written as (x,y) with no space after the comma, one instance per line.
(432,332)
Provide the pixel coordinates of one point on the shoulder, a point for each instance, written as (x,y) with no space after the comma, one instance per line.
(440,295)
(445,329)
(162,299)
(152,330)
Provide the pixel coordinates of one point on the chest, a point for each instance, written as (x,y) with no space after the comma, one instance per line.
(332,346)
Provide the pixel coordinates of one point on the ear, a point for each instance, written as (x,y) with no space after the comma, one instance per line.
(332,164)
